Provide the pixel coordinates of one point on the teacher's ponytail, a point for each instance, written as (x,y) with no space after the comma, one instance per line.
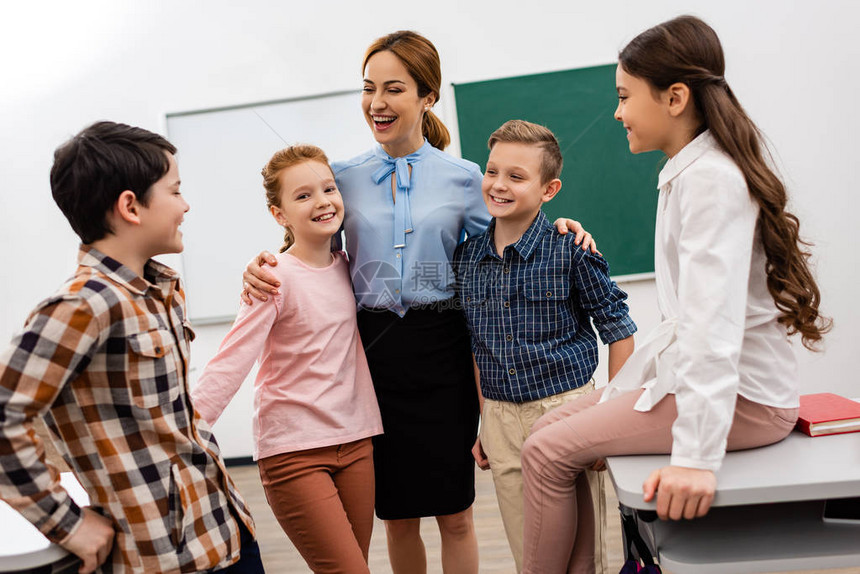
(421,59)
(435,131)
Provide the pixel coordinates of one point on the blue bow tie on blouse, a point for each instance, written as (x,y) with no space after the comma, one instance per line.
(402,213)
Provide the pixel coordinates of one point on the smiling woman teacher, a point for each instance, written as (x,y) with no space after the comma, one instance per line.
(408,205)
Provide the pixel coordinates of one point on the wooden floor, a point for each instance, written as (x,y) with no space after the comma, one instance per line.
(280,557)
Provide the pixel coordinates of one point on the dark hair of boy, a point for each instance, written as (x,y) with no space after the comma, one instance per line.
(93,168)
(523,132)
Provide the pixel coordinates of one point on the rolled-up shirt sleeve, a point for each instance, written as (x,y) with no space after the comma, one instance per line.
(600,297)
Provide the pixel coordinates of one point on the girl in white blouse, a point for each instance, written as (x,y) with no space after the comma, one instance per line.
(732,284)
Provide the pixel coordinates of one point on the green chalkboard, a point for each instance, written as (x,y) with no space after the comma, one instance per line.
(611,191)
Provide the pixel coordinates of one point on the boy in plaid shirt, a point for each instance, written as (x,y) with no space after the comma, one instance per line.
(104,360)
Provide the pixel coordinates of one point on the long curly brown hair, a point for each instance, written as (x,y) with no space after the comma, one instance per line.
(687,50)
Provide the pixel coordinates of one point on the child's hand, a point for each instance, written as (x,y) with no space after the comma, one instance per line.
(92,541)
(480,455)
(681,491)
(256,281)
(582,236)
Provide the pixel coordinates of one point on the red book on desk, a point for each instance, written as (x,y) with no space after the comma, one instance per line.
(826,413)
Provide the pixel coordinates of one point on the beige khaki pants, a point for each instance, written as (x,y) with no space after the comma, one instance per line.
(504,428)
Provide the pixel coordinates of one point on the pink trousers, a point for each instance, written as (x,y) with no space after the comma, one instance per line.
(559,519)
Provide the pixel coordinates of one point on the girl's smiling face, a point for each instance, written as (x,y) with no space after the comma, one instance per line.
(311,205)
(391,104)
(643,112)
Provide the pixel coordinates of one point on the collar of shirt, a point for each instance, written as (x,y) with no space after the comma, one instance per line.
(525,245)
(165,277)
(400,167)
(684,158)
(417,154)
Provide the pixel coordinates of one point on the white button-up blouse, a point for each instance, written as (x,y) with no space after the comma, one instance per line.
(719,336)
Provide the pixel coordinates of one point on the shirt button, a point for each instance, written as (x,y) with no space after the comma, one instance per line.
(509,338)
(507,304)
(549,293)
(468,299)
(398,256)
(512,371)
(397,290)
(507,269)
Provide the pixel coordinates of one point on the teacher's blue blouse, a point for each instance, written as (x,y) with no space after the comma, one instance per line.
(400,252)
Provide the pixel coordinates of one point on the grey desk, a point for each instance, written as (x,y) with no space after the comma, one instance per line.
(766,514)
(23,548)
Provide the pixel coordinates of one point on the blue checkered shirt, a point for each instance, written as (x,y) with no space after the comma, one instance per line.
(529,311)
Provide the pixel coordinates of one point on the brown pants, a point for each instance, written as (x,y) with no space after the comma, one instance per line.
(323,498)
(559,520)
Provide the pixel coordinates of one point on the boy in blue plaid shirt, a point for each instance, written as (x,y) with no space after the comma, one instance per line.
(530,296)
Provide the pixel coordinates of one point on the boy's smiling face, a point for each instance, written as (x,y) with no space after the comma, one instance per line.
(163,214)
(512,186)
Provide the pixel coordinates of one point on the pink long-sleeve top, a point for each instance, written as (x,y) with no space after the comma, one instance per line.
(313,388)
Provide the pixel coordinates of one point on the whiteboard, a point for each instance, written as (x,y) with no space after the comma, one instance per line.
(221,153)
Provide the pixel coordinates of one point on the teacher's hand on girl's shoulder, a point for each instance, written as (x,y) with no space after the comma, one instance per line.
(256,281)
(583,238)
(681,492)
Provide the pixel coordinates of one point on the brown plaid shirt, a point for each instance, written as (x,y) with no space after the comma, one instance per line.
(105,360)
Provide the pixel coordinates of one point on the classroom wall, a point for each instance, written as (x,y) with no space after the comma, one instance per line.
(792,64)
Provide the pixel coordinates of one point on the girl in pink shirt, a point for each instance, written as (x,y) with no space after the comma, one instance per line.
(314,404)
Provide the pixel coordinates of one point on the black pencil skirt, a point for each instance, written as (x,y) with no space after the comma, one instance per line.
(421,366)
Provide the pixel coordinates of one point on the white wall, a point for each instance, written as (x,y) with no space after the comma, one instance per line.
(792,63)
